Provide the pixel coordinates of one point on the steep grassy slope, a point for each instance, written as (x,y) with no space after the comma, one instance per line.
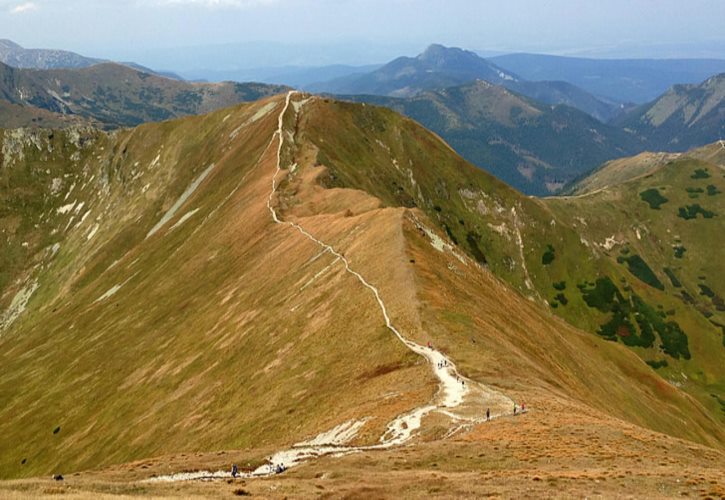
(200,336)
(543,247)
(153,306)
(116,95)
(617,171)
(531,146)
(664,228)
(16,115)
(684,117)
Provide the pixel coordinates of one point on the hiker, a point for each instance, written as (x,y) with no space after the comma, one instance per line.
(429,345)
(523,407)
(235,470)
(514,409)
(488,414)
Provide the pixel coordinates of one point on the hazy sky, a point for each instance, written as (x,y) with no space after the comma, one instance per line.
(134,29)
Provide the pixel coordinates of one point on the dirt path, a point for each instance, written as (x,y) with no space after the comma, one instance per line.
(462,400)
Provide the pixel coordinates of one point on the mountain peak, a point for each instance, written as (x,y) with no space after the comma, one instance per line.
(437,53)
(8,44)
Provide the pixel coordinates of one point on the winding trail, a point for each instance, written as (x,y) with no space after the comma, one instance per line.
(462,400)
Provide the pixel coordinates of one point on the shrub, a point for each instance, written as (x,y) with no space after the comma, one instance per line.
(562,299)
(603,295)
(658,364)
(700,173)
(673,279)
(712,190)
(679,251)
(548,256)
(690,212)
(561,285)
(473,238)
(653,198)
(674,340)
(638,267)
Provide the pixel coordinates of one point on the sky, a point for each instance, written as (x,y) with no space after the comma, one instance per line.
(309,32)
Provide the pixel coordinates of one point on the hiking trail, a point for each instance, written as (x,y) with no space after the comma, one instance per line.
(459,398)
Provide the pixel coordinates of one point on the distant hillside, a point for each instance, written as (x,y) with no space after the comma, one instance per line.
(685,116)
(115,95)
(16,56)
(622,170)
(534,147)
(436,67)
(623,80)
(439,67)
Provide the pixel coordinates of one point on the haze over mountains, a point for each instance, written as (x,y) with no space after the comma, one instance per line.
(623,80)
(538,137)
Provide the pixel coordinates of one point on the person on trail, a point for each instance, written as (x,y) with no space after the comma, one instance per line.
(523,407)
(514,409)
(429,345)
(488,414)
(235,470)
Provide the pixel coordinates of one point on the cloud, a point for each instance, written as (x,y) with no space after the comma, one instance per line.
(24,7)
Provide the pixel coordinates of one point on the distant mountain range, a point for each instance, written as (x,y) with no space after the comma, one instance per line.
(683,117)
(114,95)
(537,136)
(532,146)
(17,56)
(439,67)
(622,80)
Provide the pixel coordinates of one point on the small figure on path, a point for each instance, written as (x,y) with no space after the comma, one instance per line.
(514,409)
(235,470)
(488,414)
(523,407)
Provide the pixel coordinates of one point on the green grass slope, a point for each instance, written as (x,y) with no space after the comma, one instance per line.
(663,230)
(580,256)
(534,147)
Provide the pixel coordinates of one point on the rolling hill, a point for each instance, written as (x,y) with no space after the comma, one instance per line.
(684,117)
(116,95)
(533,147)
(291,270)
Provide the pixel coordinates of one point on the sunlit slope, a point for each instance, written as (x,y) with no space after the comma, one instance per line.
(665,231)
(152,306)
(210,333)
(547,249)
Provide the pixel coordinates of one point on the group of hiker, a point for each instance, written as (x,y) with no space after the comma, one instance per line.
(273,469)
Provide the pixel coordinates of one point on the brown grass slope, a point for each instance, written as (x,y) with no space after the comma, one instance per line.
(222,330)
(116,95)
